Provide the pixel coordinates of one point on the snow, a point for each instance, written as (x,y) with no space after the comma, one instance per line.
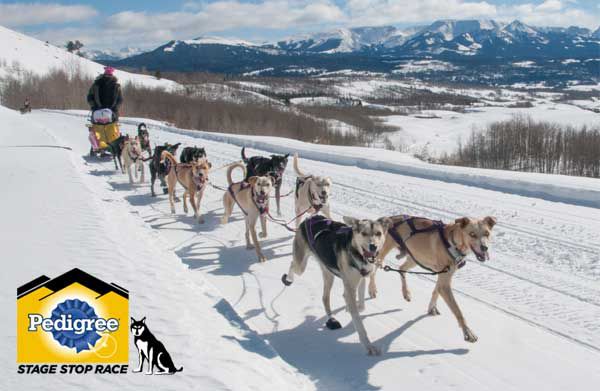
(19,53)
(415,66)
(535,305)
(82,222)
(443,133)
(524,64)
(218,41)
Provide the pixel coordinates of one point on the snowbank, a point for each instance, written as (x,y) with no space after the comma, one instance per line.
(558,188)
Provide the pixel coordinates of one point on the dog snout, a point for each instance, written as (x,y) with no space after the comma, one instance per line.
(372,247)
(484,248)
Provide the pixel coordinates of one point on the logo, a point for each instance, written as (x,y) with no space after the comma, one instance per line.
(73,318)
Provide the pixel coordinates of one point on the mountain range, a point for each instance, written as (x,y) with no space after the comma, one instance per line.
(377,49)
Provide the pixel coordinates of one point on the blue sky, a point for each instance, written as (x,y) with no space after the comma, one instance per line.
(143,23)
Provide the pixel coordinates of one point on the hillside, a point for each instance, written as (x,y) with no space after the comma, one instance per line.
(20,53)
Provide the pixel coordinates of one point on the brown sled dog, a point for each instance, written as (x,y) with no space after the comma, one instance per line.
(440,248)
(192,176)
(252,197)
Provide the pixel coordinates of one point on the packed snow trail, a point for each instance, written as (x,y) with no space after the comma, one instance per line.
(535,305)
(55,217)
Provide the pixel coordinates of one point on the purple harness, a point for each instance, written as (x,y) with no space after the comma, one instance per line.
(458,258)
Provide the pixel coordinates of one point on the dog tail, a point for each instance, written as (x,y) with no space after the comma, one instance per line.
(230,170)
(244,158)
(167,155)
(298,172)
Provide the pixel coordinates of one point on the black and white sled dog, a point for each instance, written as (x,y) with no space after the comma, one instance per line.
(347,251)
(160,170)
(273,166)
(192,155)
(152,350)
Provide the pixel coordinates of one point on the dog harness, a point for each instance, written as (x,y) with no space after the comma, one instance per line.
(326,237)
(299,183)
(243,186)
(457,256)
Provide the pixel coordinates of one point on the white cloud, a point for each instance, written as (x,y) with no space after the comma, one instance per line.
(32,14)
(222,17)
(380,12)
(550,13)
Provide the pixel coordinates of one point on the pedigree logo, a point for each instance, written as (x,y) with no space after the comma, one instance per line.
(73,318)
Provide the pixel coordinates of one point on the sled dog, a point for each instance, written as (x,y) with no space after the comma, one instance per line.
(347,251)
(252,197)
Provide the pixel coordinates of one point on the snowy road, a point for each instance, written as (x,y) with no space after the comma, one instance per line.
(535,305)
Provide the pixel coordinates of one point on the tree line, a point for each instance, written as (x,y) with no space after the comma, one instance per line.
(523,144)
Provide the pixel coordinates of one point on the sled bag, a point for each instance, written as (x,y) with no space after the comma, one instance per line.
(102,116)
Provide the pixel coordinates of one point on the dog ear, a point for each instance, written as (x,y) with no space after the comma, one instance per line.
(287,155)
(272,179)
(143,320)
(351,221)
(132,320)
(463,221)
(209,164)
(490,221)
(252,180)
(386,222)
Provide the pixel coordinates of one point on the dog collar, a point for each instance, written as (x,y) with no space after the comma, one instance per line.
(458,257)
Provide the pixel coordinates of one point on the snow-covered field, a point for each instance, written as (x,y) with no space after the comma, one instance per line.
(229,321)
(442,132)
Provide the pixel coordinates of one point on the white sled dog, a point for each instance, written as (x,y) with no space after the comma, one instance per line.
(312,194)
(132,155)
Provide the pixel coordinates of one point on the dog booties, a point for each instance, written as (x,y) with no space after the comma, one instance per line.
(326,238)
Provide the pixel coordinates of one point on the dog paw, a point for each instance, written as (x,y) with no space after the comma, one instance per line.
(249,247)
(165,190)
(172,211)
(185,210)
(373,350)
(262,259)
(433,311)
(223,221)
(285,281)
(406,294)
(262,235)
(360,306)
(372,292)
(200,220)
(177,199)
(333,324)
(469,335)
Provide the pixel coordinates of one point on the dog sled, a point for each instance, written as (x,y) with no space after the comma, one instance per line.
(103,130)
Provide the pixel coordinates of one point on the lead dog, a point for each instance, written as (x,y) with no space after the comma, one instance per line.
(347,251)
(192,176)
(440,248)
(132,155)
(273,167)
(252,196)
(312,193)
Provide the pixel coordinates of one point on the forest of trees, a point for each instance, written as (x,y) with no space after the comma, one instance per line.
(523,144)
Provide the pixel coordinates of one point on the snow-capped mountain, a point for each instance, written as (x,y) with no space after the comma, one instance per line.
(380,49)
(110,55)
(347,40)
